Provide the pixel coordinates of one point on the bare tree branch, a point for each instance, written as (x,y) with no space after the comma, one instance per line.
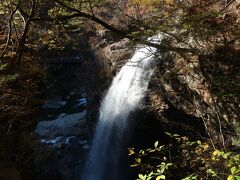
(22,41)
(91,8)
(124,34)
(94,18)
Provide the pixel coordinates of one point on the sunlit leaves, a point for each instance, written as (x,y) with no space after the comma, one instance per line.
(6,6)
(138,160)
(211,172)
(161,177)
(151,2)
(83,6)
(142,177)
(144,2)
(131,151)
(191,177)
(198,154)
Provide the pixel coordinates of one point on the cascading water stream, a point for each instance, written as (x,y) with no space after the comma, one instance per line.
(126,91)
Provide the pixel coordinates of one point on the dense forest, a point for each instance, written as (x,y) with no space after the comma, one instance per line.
(188,126)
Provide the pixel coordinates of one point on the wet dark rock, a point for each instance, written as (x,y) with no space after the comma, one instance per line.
(62,132)
(61,147)
(54,104)
(68,125)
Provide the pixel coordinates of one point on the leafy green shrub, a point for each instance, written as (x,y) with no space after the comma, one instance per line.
(187,160)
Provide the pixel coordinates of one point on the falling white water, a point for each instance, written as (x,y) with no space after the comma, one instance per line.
(124,95)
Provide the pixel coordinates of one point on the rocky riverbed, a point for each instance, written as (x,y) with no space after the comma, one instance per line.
(62,131)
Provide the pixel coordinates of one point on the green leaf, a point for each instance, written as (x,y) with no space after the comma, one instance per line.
(199,142)
(176,135)
(237,177)
(211,172)
(168,164)
(216,153)
(148,178)
(138,160)
(150,174)
(131,152)
(191,177)
(142,152)
(134,165)
(230,177)
(156,144)
(233,170)
(142,177)
(153,150)
(161,171)
(226,155)
(161,177)
(169,134)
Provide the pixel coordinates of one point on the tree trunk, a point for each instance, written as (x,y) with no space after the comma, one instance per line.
(10,29)
(23,39)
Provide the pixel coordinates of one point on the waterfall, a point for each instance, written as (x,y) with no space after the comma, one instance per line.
(124,95)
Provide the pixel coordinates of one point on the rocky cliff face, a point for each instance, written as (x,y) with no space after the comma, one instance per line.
(189,93)
(181,93)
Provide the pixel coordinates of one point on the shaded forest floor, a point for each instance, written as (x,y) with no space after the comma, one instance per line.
(20,97)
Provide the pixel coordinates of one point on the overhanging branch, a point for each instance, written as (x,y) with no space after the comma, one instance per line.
(78,13)
(93,18)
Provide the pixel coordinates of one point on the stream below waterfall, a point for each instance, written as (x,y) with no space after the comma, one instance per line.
(62,131)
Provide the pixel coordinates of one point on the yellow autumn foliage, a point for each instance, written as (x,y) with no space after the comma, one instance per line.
(150,2)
